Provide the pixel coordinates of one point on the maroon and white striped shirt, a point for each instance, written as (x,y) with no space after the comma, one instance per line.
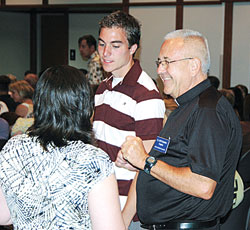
(133,107)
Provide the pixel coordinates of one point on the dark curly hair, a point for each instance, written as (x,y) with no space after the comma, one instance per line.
(63,106)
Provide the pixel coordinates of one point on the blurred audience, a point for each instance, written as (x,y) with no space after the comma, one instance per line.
(244,89)
(10,117)
(3,107)
(4,95)
(170,105)
(229,95)
(214,81)
(246,108)
(4,132)
(31,78)
(238,101)
(12,77)
(21,125)
(22,92)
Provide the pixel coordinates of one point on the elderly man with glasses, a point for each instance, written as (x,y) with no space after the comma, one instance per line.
(187,179)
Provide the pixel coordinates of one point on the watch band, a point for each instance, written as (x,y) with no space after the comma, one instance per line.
(149,163)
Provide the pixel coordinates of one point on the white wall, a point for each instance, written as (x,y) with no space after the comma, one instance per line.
(156,22)
(14,44)
(208,20)
(240,71)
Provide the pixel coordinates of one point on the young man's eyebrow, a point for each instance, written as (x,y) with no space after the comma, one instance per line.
(99,39)
(116,41)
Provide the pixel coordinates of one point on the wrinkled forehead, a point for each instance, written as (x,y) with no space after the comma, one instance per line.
(172,48)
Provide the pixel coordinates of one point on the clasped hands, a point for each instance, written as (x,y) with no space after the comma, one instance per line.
(132,155)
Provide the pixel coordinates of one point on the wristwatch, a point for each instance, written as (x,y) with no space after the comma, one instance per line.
(149,163)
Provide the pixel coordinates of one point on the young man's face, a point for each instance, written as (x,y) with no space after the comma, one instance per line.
(85,50)
(114,51)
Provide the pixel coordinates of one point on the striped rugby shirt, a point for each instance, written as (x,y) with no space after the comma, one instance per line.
(133,107)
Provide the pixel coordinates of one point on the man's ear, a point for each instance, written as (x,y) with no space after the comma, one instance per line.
(92,48)
(133,48)
(195,66)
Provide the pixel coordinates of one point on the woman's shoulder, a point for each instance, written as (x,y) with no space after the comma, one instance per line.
(16,141)
(92,152)
(89,156)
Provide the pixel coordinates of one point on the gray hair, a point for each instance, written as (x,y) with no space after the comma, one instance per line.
(198,44)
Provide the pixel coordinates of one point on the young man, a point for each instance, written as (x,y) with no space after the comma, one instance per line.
(187,179)
(87,48)
(127,102)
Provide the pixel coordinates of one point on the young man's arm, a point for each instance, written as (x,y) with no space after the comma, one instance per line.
(129,209)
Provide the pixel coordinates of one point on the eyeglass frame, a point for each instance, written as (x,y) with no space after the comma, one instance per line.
(159,62)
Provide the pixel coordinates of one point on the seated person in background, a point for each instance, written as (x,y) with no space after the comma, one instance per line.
(12,78)
(22,92)
(61,180)
(21,125)
(170,104)
(4,132)
(4,95)
(214,81)
(229,96)
(3,107)
(243,165)
(238,101)
(244,90)
(10,117)
(246,108)
(31,78)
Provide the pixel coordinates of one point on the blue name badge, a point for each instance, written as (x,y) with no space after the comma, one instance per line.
(161,144)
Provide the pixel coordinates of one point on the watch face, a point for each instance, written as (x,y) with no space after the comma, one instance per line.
(151,160)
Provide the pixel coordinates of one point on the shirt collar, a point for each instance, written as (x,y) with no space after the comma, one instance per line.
(192,93)
(131,77)
(93,55)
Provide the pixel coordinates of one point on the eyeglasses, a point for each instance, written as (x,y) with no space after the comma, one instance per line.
(165,62)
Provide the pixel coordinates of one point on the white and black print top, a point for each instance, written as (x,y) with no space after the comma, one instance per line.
(49,189)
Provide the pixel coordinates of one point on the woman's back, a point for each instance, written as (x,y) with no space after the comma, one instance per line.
(49,189)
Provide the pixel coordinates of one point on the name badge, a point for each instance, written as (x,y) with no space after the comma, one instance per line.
(161,144)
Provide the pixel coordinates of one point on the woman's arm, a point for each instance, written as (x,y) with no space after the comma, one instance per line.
(21,110)
(104,205)
(5,218)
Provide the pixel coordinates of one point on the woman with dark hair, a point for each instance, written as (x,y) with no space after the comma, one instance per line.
(53,177)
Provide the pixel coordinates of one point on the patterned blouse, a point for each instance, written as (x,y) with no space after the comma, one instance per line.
(49,189)
(95,71)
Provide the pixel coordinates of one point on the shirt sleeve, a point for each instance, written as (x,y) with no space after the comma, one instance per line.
(208,143)
(99,168)
(149,116)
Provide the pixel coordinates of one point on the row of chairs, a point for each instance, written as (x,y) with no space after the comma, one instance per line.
(239,217)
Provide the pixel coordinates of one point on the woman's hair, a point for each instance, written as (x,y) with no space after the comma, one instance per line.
(23,88)
(63,106)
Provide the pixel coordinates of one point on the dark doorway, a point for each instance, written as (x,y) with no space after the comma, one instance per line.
(54,40)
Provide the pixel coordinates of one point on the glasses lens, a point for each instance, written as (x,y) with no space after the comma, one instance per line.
(164,63)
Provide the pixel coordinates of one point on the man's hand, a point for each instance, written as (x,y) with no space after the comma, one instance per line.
(133,151)
(122,163)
